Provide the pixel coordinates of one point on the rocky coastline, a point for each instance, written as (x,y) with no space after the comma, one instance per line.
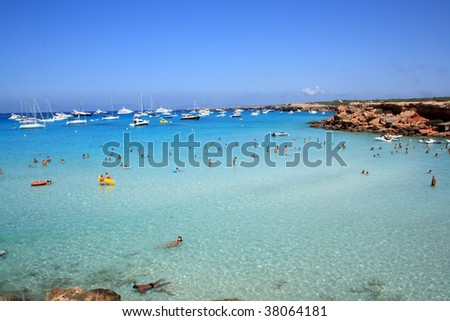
(409,119)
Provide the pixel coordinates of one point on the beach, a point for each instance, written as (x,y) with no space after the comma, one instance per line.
(258,233)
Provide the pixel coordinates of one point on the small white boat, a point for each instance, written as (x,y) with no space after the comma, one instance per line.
(388,138)
(81,113)
(162,110)
(255,113)
(236,114)
(77,121)
(62,116)
(15,117)
(222,114)
(124,111)
(139,122)
(110,117)
(278,134)
(31,124)
(430,141)
(313,112)
(189,117)
(100,112)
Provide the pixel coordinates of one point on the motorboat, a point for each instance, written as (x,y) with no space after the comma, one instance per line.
(81,113)
(110,117)
(189,117)
(388,138)
(124,111)
(430,141)
(139,122)
(162,110)
(236,114)
(15,117)
(62,116)
(278,134)
(255,113)
(100,112)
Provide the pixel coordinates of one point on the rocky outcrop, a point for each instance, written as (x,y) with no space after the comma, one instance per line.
(374,119)
(79,294)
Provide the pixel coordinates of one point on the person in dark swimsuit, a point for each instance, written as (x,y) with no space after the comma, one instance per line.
(153,285)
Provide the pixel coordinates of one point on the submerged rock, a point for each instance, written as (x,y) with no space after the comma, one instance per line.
(79,294)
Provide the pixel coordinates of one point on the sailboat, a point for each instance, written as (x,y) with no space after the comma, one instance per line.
(111,117)
(50,116)
(141,112)
(32,122)
(82,112)
(77,121)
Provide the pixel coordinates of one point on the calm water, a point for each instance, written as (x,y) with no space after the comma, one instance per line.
(324,233)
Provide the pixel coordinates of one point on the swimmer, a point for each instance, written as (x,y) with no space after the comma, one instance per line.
(49,182)
(107,175)
(433,181)
(173,243)
(62,161)
(429,171)
(153,285)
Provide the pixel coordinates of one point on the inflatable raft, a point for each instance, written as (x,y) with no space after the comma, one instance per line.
(39,183)
(105,181)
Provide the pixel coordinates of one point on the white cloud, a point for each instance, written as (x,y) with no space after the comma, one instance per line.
(312,91)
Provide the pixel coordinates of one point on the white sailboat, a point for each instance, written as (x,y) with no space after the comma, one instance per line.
(141,112)
(32,122)
(77,121)
(50,117)
(111,117)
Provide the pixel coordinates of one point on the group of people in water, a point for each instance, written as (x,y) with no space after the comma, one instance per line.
(398,146)
(142,288)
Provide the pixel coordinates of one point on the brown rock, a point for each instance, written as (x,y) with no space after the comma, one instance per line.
(375,122)
(78,294)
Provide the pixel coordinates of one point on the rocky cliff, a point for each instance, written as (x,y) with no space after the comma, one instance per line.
(412,119)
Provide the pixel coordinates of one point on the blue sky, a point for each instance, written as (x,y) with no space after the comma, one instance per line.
(221,53)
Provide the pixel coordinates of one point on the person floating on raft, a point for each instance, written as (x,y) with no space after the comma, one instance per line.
(105,180)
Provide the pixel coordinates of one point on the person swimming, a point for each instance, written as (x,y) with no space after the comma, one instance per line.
(173,243)
(152,285)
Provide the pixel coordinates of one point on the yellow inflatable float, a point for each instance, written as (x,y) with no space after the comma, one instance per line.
(105,181)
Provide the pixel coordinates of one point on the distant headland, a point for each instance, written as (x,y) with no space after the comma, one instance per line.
(412,117)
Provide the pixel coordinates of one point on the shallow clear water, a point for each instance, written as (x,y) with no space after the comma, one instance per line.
(252,233)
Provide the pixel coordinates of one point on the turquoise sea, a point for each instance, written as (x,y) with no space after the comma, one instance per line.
(261,233)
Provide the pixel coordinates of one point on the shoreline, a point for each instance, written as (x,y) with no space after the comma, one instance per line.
(430,119)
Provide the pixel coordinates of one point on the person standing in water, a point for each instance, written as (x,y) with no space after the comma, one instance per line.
(433,181)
